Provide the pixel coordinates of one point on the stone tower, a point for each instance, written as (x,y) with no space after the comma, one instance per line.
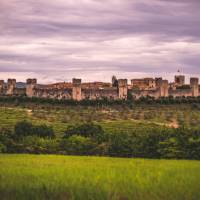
(158,81)
(164,88)
(30,87)
(76,91)
(11,85)
(194,83)
(180,80)
(122,88)
(1,86)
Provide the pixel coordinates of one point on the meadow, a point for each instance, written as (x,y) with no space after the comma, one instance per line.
(96,178)
(81,177)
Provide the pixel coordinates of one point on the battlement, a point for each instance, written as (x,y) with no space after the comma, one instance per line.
(122,82)
(30,87)
(31,81)
(194,81)
(11,82)
(158,81)
(11,85)
(2,83)
(144,83)
(76,81)
(179,80)
(164,83)
(118,89)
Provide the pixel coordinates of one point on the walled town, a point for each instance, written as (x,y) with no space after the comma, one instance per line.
(118,89)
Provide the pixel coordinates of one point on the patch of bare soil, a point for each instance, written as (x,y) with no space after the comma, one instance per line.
(174,124)
(29,112)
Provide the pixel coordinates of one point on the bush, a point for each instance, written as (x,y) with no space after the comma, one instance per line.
(43,131)
(121,144)
(37,145)
(86,130)
(23,128)
(90,139)
(2,148)
(78,145)
(26,128)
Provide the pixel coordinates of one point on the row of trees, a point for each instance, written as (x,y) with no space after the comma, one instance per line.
(91,139)
(21,100)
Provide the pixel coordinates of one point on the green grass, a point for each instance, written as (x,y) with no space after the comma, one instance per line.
(67,177)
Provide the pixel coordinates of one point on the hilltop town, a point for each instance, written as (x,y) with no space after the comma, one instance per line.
(117,89)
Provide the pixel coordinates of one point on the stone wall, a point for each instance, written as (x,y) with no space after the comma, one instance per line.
(79,91)
(180,93)
(144,93)
(110,93)
(53,93)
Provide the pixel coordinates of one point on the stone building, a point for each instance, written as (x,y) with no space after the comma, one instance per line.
(118,89)
(179,80)
(144,84)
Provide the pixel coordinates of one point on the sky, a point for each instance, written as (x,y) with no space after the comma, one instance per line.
(57,40)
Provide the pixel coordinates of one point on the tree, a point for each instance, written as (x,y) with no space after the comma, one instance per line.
(23,128)
(78,145)
(86,130)
(2,148)
(43,131)
(26,128)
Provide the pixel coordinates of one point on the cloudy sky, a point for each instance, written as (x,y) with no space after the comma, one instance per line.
(56,40)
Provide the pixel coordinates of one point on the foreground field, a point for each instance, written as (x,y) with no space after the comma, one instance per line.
(61,177)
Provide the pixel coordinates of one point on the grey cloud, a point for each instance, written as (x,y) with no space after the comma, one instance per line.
(97,36)
(41,18)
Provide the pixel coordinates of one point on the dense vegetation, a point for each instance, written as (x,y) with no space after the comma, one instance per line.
(149,130)
(91,139)
(25,177)
(101,102)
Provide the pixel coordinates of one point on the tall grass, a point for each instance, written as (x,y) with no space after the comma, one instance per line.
(61,177)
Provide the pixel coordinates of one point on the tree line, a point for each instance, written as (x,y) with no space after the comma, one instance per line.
(131,101)
(92,139)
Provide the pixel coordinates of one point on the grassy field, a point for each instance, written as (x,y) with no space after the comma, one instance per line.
(64,177)
(111,118)
(67,177)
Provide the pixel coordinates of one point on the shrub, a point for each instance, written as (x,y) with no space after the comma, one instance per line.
(86,130)
(26,128)
(43,131)
(2,148)
(78,145)
(37,145)
(90,139)
(23,128)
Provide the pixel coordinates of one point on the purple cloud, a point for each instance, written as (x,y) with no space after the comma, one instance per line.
(95,39)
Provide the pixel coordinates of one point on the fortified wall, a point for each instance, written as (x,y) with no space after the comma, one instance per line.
(118,89)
